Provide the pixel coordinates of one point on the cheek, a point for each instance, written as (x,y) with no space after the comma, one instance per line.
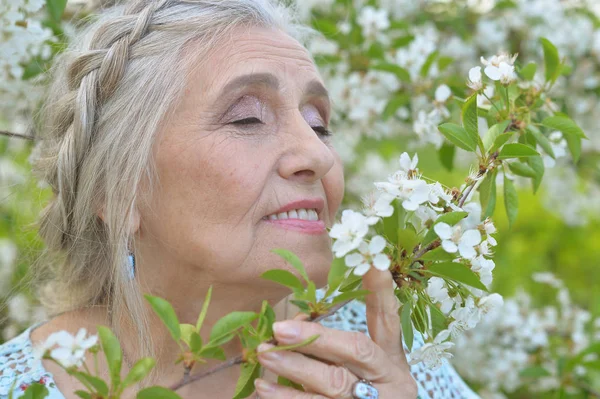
(334,188)
(208,188)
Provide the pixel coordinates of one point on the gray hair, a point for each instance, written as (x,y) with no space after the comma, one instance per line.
(110,93)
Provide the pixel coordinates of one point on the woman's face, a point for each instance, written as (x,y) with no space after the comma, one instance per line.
(248,140)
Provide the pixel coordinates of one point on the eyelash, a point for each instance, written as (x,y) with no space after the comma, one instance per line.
(322,130)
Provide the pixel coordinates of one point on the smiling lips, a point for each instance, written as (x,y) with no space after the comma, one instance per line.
(302,216)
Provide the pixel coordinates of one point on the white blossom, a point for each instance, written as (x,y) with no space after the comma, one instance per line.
(475,81)
(349,233)
(67,349)
(438,292)
(369,255)
(432,354)
(504,72)
(453,239)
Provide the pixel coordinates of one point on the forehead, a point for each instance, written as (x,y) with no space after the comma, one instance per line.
(256,50)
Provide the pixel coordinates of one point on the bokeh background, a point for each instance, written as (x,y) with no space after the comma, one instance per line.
(383,62)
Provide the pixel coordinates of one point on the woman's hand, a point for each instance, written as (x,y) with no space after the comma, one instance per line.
(329,367)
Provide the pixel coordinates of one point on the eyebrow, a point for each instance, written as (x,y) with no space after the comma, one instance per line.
(314,88)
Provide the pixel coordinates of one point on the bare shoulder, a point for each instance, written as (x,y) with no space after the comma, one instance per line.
(71,322)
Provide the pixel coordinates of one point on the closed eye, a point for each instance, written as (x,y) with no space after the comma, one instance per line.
(322,130)
(247,121)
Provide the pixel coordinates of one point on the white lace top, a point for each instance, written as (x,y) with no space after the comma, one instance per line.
(18,368)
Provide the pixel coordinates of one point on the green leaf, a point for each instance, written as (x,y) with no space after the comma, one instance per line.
(452,218)
(81,394)
(285,278)
(511,200)
(245,384)
(265,321)
(350,295)
(517,150)
(289,383)
(351,283)
(534,372)
(407,328)
(56,8)
(186,333)
(204,310)
(493,133)
(307,341)
(397,70)
(521,169)
(487,194)
(458,136)
(195,342)
(537,164)
(446,154)
(35,391)
(224,328)
(337,273)
(213,353)
(551,60)
(469,118)
(428,63)
(528,71)
(98,384)
(438,320)
(112,351)
(397,101)
(292,260)
(302,305)
(437,254)
(574,144)
(457,272)
(500,141)
(393,222)
(541,140)
(407,239)
(166,313)
(564,124)
(157,393)
(139,371)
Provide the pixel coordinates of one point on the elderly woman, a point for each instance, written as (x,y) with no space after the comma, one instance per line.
(193,137)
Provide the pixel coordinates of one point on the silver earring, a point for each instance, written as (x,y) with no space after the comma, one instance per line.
(131,263)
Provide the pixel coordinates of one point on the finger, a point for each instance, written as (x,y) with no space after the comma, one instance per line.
(354,350)
(383,320)
(268,390)
(329,380)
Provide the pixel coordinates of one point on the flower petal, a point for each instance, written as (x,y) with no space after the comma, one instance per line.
(443,230)
(381,262)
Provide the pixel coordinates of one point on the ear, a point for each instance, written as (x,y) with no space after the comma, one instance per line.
(134,224)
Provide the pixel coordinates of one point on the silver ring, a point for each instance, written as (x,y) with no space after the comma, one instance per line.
(363,389)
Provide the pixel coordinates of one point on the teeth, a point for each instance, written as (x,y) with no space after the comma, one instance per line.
(302,214)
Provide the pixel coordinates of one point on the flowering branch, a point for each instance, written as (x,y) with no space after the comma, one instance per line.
(188,379)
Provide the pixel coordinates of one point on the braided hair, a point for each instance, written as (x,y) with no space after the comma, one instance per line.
(111,93)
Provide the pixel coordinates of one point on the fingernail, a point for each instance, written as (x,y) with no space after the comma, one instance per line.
(263,386)
(285,330)
(272,356)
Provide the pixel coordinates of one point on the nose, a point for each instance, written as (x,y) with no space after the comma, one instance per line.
(305,156)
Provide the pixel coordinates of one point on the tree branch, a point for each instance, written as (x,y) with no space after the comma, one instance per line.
(16,135)
(188,379)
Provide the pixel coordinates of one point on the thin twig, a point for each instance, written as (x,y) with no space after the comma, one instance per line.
(16,135)
(239,359)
